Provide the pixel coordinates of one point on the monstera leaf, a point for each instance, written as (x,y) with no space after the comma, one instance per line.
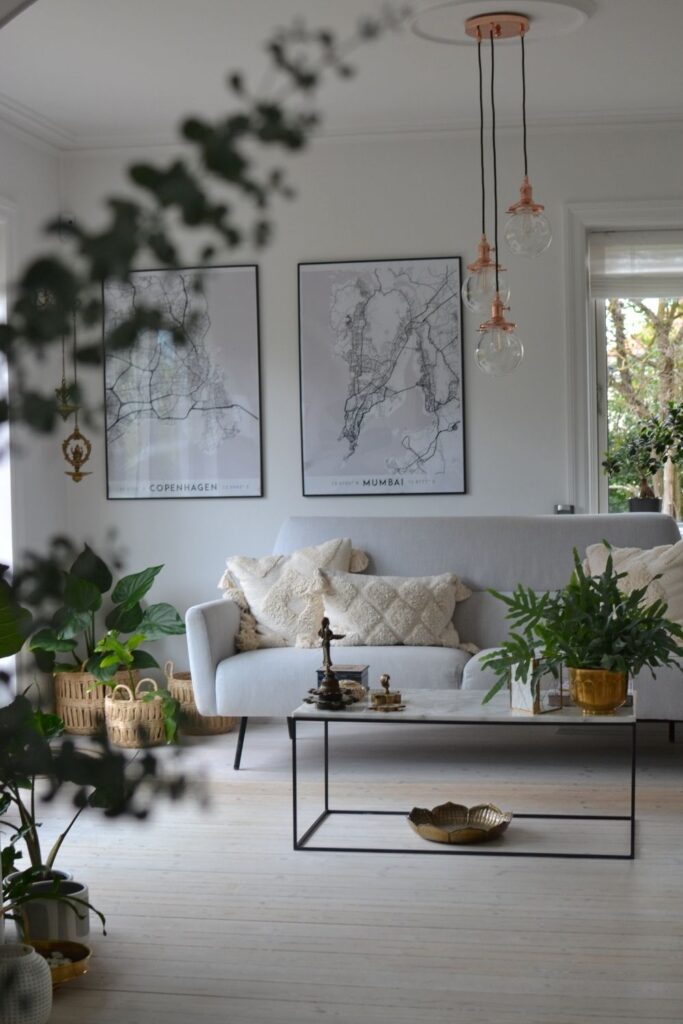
(15,621)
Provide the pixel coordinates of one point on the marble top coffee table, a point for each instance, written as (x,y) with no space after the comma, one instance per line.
(455,708)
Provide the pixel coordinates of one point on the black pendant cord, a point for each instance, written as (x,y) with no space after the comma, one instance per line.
(526,157)
(74,356)
(481,138)
(495,163)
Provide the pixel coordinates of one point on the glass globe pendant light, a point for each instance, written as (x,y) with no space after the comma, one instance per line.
(500,350)
(479,287)
(527,231)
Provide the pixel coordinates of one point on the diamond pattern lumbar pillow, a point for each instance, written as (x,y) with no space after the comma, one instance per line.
(389,610)
(280,595)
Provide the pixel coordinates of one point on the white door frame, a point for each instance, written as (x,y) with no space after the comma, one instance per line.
(580,219)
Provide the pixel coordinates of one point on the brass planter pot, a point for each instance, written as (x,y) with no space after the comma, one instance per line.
(596,691)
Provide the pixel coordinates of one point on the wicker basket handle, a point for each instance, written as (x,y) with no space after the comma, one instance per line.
(168,669)
(147,679)
(125,689)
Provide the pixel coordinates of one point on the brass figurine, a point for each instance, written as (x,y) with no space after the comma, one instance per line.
(385,699)
(76,448)
(329,696)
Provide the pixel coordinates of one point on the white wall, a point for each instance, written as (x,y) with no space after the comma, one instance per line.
(389,197)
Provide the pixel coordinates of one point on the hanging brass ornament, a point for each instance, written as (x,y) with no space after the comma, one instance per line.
(65,395)
(76,448)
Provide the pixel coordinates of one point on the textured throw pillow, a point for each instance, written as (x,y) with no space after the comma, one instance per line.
(641,566)
(388,610)
(279,595)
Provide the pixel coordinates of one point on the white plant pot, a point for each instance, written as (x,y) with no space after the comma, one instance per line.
(52,919)
(25,985)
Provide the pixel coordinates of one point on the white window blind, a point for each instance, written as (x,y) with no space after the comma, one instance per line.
(636,264)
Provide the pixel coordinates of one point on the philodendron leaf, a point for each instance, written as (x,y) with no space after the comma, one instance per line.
(49,640)
(161,620)
(131,589)
(123,618)
(69,623)
(89,566)
(142,659)
(14,622)
(81,595)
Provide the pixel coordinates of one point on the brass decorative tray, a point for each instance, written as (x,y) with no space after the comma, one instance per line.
(455,823)
(76,963)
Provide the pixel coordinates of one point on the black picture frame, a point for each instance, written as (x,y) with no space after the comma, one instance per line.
(397,402)
(185,421)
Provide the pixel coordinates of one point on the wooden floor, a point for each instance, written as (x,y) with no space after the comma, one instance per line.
(212,917)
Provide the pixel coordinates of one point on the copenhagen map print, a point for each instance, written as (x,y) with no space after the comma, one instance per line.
(381,377)
(182,420)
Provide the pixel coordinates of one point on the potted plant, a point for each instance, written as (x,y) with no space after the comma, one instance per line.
(599,633)
(643,451)
(51,903)
(137,714)
(73,633)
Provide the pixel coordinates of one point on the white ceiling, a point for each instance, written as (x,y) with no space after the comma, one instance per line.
(97,72)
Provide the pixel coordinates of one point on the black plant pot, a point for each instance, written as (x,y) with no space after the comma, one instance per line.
(645,504)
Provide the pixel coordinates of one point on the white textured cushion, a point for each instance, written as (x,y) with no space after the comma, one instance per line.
(279,595)
(411,610)
(641,566)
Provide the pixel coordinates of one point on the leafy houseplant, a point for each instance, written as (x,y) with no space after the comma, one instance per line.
(590,625)
(26,753)
(73,632)
(644,451)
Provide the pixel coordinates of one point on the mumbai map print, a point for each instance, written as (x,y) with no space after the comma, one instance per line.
(183,420)
(381,377)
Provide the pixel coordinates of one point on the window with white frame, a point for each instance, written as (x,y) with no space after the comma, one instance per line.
(636,293)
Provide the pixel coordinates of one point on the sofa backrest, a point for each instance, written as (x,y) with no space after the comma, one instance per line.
(485,551)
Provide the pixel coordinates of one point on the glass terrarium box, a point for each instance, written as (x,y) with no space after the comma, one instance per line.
(537,696)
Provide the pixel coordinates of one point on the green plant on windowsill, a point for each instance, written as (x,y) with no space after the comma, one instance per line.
(643,451)
(588,625)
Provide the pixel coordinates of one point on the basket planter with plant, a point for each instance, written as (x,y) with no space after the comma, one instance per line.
(643,452)
(73,633)
(601,634)
(137,714)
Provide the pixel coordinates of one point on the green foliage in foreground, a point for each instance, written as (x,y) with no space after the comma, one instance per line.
(591,623)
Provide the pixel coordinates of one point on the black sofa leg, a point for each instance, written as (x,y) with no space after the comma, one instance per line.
(290,727)
(240,742)
(672,732)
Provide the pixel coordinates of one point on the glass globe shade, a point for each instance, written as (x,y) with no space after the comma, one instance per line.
(479,289)
(499,352)
(527,233)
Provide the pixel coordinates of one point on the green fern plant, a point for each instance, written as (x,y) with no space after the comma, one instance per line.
(591,623)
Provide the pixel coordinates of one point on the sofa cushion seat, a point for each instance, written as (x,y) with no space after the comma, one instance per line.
(279,678)
(476,676)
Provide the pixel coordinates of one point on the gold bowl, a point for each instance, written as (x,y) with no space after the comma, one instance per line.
(455,823)
(596,691)
(77,953)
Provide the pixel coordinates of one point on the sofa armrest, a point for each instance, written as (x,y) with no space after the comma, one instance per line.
(211,633)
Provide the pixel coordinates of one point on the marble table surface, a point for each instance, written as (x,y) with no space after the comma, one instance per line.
(462,706)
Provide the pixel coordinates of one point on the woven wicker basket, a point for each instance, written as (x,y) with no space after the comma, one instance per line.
(132,722)
(81,711)
(192,723)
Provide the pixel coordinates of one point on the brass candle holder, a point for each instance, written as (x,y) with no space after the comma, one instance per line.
(385,699)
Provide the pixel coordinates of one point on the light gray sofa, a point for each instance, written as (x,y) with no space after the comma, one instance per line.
(485,551)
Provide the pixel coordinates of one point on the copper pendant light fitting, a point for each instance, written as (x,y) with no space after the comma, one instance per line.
(497,320)
(525,203)
(483,260)
(506,25)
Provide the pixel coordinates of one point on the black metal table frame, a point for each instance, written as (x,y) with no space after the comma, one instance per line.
(302,842)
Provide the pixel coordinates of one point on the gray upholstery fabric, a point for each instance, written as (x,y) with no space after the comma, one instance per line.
(485,551)
(275,681)
(475,676)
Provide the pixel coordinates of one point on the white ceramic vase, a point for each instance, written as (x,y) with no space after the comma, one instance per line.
(25,985)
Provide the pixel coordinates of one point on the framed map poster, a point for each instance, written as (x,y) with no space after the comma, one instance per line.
(380,346)
(184,420)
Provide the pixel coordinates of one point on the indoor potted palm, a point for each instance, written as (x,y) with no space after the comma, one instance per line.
(643,451)
(599,633)
(73,633)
